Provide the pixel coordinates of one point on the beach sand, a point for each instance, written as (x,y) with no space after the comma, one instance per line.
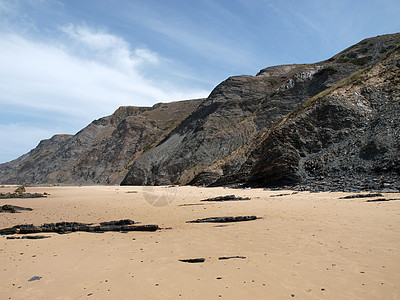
(306,246)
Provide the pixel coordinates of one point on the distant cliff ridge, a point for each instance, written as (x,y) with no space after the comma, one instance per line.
(102,152)
(289,124)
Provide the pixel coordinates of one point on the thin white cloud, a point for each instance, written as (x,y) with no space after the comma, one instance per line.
(46,76)
(108,48)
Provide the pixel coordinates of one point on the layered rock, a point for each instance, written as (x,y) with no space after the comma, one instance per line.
(102,152)
(350,130)
(336,120)
(224,140)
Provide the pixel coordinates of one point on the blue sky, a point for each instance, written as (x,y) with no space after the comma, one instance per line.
(66,63)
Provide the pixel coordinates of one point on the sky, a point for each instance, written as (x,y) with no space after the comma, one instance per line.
(65,63)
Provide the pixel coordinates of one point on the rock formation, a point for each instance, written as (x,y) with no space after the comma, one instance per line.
(287,123)
(102,152)
(332,121)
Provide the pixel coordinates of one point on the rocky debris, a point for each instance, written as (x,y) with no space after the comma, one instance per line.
(123,228)
(345,183)
(381,200)
(284,194)
(20,190)
(362,196)
(65,227)
(225,198)
(8,208)
(231,257)
(225,219)
(22,195)
(388,190)
(118,223)
(193,260)
(27,237)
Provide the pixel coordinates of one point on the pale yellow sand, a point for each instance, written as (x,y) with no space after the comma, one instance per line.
(311,246)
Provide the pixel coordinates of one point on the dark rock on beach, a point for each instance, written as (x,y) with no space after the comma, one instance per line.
(226,198)
(224,219)
(22,195)
(193,260)
(28,237)
(64,227)
(381,200)
(117,223)
(362,196)
(12,208)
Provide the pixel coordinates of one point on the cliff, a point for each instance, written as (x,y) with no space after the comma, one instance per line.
(335,120)
(228,139)
(102,152)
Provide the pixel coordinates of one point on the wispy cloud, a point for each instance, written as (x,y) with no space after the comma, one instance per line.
(109,49)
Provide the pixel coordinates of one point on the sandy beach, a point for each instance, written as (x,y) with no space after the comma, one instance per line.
(305,246)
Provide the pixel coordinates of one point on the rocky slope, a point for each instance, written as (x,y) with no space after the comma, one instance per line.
(337,119)
(228,139)
(102,152)
(350,131)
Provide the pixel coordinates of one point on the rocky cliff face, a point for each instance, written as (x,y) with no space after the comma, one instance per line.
(226,139)
(351,130)
(102,152)
(336,119)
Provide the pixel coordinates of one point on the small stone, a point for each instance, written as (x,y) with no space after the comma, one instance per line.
(34,278)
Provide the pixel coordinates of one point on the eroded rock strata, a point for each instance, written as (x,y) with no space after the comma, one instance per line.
(331,125)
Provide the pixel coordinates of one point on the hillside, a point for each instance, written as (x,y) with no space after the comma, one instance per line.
(334,121)
(225,140)
(102,152)
(350,132)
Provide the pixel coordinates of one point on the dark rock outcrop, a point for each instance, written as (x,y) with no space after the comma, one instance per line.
(64,227)
(261,130)
(231,257)
(193,260)
(224,219)
(28,237)
(225,198)
(8,208)
(351,130)
(381,200)
(22,195)
(362,196)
